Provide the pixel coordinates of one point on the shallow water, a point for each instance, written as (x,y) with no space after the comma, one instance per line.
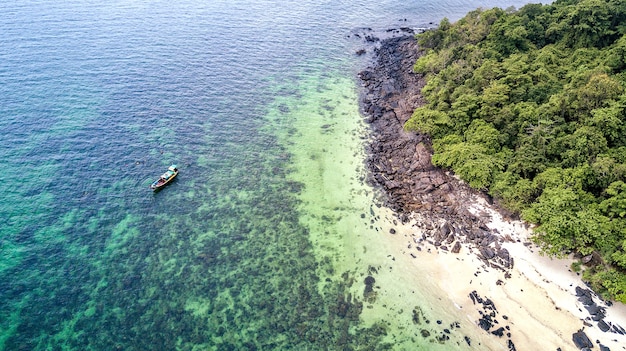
(266,236)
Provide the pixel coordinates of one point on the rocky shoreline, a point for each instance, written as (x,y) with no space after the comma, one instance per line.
(399,164)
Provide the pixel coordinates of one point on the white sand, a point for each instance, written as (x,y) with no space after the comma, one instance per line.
(539,298)
(554,279)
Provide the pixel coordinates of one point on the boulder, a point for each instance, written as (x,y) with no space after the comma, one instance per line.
(498,332)
(456,248)
(504,254)
(487,252)
(581,340)
(603,326)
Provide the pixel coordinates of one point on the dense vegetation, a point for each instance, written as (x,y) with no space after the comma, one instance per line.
(529,106)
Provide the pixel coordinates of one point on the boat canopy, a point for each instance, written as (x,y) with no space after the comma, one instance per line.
(172,168)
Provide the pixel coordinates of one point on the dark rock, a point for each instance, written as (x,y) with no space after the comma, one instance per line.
(445,229)
(511,345)
(489,304)
(586,300)
(581,340)
(369,293)
(366,75)
(618,329)
(498,332)
(598,317)
(592,308)
(583,292)
(504,254)
(596,310)
(485,323)
(475,297)
(443,337)
(487,252)
(456,248)
(603,326)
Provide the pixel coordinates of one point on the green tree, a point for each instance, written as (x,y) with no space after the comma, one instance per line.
(585,23)
(599,92)
(609,282)
(607,170)
(615,205)
(428,121)
(513,191)
(472,162)
(555,214)
(483,133)
(582,146)
(608,120)
(494,97)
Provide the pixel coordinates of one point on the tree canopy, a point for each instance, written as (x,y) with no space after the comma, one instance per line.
(529,106)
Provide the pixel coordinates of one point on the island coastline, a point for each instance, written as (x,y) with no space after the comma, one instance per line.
(484,257)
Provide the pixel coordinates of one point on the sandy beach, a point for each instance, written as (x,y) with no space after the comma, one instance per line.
(535,301)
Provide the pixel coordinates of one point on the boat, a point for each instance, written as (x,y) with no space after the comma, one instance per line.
(165,178)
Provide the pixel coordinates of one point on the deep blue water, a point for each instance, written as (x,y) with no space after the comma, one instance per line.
(97,99)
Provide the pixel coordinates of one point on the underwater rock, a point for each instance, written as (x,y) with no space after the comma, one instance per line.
(368,293)
(418,315)
(443,338)
(369,284)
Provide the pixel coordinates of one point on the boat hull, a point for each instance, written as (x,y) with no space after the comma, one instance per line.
(165,178)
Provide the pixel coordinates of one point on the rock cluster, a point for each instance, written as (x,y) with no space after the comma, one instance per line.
(597,313)
(489,321)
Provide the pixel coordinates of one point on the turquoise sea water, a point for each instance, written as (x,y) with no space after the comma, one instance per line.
(256,102)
